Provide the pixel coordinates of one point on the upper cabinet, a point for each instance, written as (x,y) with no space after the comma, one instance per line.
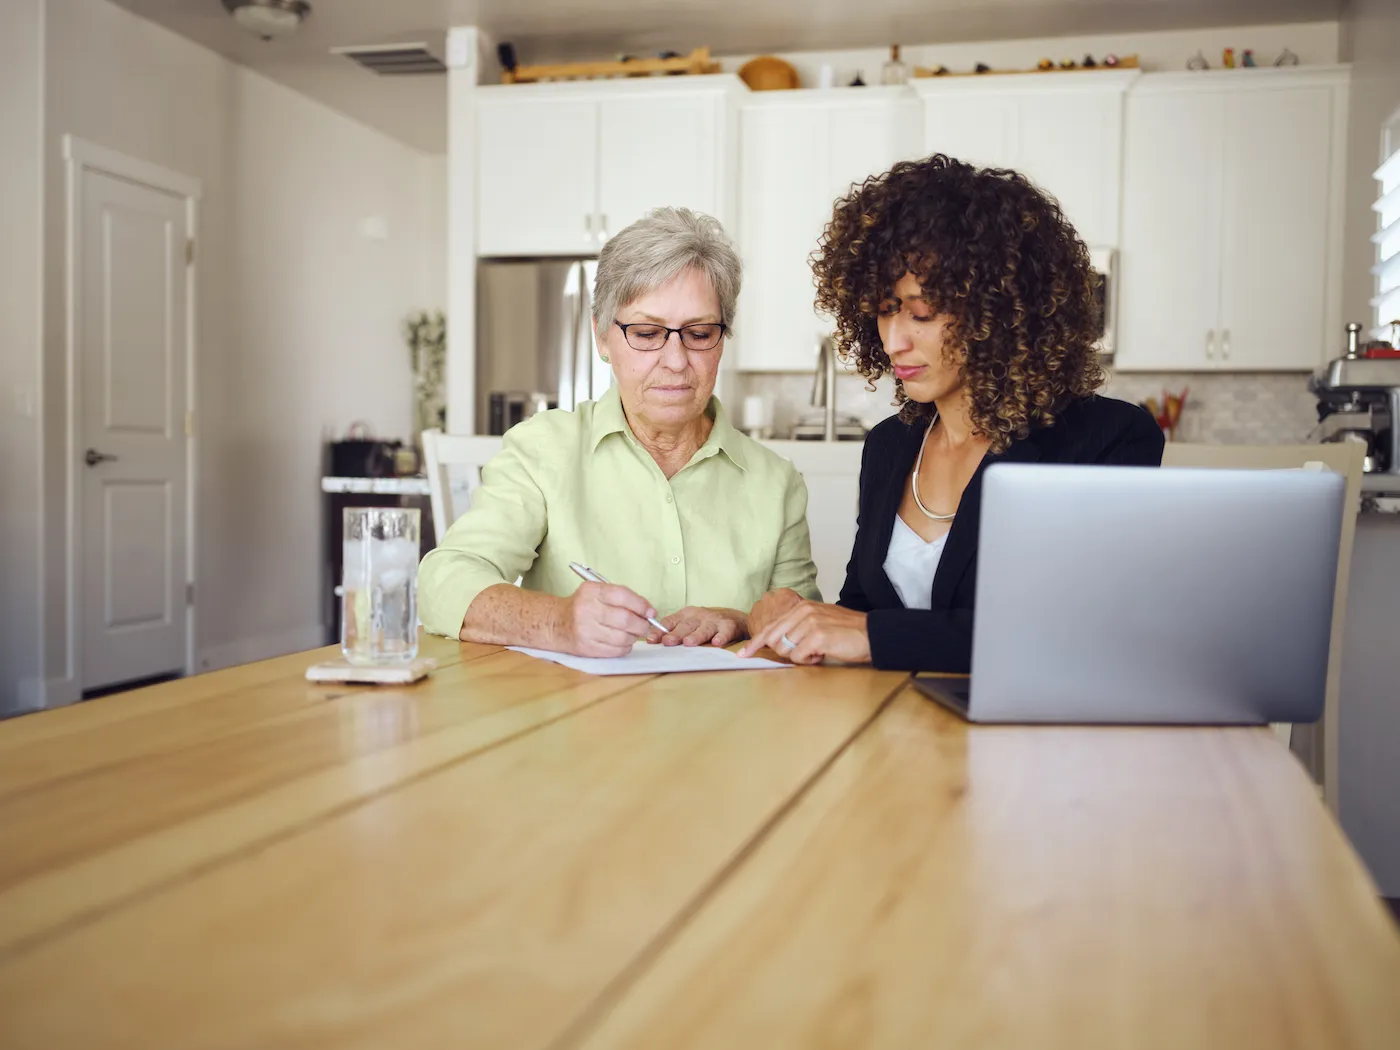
(798,152)
(1063,131)
(562,167)
(1231,220)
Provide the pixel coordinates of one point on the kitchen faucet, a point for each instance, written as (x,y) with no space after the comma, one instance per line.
(824,387)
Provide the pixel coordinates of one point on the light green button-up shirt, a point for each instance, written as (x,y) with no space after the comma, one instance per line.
(578,486)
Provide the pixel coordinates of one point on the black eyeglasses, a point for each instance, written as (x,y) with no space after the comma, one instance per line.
(648,336)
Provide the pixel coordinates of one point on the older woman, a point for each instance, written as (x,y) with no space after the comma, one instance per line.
(650,486)
(974,291)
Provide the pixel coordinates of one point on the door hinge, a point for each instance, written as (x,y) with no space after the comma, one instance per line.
(189,251)
(189,594)
(189,423)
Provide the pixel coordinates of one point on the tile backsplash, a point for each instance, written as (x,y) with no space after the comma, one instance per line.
(1265,408)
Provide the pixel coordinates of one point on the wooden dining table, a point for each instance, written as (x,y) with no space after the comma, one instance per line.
(514,854)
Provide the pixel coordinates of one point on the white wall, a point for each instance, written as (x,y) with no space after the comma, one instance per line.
(435,216)
(298,314)
(21,173)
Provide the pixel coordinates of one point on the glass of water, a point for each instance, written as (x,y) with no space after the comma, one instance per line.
(379,611)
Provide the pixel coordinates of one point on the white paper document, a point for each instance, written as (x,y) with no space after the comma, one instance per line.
(657,659)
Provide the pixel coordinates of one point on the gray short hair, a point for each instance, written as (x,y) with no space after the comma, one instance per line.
(658,247)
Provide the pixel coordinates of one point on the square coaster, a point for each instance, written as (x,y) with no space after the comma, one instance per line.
(371,674)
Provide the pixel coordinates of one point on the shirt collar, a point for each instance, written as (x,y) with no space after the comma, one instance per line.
(609,418)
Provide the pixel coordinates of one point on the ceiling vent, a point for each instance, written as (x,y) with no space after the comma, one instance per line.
(394,59)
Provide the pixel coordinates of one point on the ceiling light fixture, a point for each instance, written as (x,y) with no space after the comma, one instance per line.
(268,18)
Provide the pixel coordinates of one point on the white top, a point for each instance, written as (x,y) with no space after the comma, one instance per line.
(911,563)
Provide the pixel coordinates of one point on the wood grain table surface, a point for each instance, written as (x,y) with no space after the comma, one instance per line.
(513,854)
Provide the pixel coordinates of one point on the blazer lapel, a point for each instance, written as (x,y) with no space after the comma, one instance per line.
(961,548)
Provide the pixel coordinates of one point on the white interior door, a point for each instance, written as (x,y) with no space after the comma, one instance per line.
(131,335)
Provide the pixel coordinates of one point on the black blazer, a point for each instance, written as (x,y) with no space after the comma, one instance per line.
(1091,430)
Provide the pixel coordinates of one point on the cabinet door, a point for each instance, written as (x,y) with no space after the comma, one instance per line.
(782,210)
(867,138)
(1278,145)
(657,151)
(832,499)
(979,128)
(1169,283)
(1070,144)
(536,177)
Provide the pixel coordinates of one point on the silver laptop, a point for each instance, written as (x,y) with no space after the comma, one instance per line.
(1139,595)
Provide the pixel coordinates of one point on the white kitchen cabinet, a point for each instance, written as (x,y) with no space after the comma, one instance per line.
(562,167)
(1062,132)
(1273,257)
(1169,280)
(798,152)
(831,471)
(536,186)
(1231,221)
(656,151)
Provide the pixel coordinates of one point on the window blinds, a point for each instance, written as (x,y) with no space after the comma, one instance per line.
(1387,238)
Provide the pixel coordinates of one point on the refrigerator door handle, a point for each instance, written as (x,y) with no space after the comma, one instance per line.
(583,356)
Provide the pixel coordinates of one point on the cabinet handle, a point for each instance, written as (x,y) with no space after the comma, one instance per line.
(588,227)
(1210,344)
(1225,344)
(602,229)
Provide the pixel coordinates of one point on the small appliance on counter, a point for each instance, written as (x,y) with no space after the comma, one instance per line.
(1358,399)
(361,455)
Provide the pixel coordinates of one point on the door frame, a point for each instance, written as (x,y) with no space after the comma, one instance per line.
(80,158)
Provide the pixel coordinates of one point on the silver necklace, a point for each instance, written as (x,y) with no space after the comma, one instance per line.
(914,480)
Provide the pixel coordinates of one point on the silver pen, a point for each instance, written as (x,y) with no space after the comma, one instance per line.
(584,572)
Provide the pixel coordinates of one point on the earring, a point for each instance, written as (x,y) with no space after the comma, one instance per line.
(606,359)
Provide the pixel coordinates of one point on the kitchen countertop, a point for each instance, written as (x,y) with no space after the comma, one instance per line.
(417,486)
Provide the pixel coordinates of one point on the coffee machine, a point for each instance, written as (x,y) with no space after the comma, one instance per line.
(1358,399)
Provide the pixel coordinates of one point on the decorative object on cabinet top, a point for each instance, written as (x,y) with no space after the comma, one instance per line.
(696,63)
(1045,65)
(894,72)
(769,73)
(1197,62)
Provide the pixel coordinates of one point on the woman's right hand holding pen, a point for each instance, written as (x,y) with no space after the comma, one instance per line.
(601,620)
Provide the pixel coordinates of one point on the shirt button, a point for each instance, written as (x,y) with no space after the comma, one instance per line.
(675,561)
(670,499)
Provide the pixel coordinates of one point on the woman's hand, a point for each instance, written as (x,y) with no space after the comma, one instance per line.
(601,619)
(812,631)
(771,606)
(695,625)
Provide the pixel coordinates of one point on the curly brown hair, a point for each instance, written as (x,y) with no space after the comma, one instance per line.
(989,249)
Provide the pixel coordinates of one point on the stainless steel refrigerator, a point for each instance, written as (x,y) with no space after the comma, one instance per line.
(534,339)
